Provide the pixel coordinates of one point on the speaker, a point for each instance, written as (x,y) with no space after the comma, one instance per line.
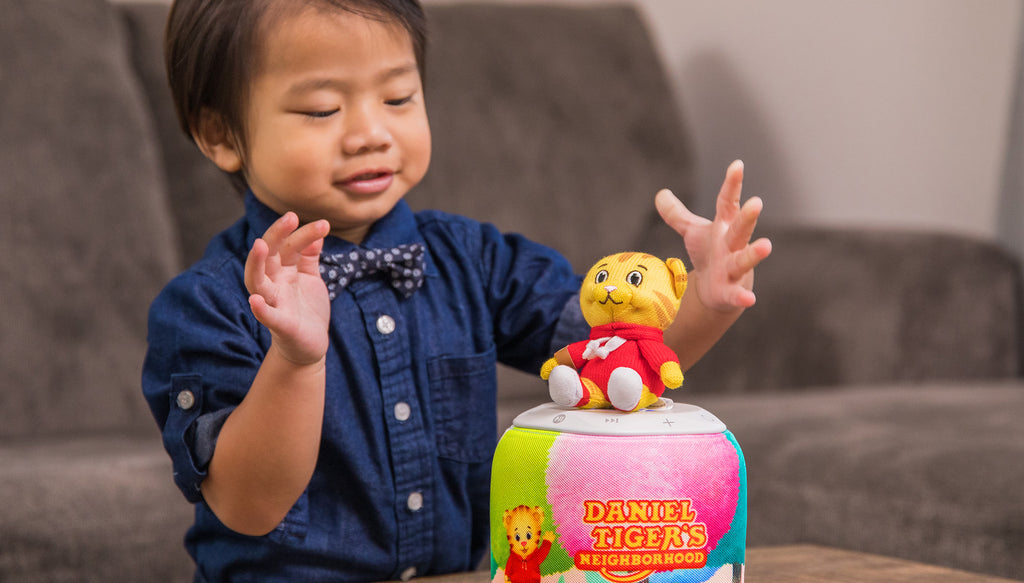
(591,495)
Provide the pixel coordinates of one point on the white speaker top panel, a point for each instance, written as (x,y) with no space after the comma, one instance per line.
(664,418)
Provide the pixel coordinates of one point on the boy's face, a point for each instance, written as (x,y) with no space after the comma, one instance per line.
(336,123)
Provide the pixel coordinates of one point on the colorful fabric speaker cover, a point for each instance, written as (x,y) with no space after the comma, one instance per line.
(587,496)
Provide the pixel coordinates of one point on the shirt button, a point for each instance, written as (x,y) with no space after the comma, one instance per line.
(415,501)
(186,400)
(385,324)
(403,411)
(408,573)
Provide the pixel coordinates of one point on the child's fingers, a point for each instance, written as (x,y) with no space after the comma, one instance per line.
(274,237)
(303,247)
(256,265)
(309,259)
(742,228)
(744,298)
(746,259)
(260,309)
(279,231)
(266,313)
(728,202)
(674,212)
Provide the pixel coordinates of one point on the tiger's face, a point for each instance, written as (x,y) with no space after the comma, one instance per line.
(634,288)
(522,526)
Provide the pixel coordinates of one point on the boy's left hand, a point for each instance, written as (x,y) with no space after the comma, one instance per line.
(723,256)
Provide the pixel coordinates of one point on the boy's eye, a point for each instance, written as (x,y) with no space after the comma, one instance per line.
(320,114)
(398,102)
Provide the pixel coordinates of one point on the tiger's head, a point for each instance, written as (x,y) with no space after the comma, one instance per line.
(634,288)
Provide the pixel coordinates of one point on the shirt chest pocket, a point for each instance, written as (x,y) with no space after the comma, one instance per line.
(463,395)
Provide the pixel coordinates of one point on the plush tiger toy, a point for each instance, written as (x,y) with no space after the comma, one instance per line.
(628,299)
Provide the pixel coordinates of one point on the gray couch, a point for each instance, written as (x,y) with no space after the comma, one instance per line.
(875,387)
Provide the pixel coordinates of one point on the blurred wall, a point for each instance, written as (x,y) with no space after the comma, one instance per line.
(853,112)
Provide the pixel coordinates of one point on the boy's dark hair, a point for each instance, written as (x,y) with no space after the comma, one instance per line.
(210,52)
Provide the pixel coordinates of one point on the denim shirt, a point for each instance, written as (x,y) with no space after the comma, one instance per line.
(402,478)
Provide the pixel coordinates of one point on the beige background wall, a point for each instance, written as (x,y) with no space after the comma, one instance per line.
(850,111)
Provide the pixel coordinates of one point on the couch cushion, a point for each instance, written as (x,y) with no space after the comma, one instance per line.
(930,472)
(556,122)
(839,306)
(85,231)
(91,509)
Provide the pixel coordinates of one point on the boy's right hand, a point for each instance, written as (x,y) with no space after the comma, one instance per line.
(287,293)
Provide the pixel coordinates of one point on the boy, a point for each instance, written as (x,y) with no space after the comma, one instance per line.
(344,431)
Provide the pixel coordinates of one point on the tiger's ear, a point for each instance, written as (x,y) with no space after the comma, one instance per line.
(538,514)
(679,276)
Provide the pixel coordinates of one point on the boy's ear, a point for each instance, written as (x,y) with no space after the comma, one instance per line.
(216,142)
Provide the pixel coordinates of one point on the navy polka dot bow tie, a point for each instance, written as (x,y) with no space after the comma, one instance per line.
(403,265)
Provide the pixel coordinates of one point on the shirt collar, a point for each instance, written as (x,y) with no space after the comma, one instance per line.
(397,227)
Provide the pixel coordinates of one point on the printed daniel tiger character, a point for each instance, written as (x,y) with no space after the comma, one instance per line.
(527,544)
(628,299)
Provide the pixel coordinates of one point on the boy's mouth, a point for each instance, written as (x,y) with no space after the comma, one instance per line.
(368,182)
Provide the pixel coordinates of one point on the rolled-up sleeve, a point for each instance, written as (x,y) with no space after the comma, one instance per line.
(204,351)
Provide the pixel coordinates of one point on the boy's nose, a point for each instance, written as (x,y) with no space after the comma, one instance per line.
(365,131)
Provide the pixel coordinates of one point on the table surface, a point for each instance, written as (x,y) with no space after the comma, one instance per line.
(814,564)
